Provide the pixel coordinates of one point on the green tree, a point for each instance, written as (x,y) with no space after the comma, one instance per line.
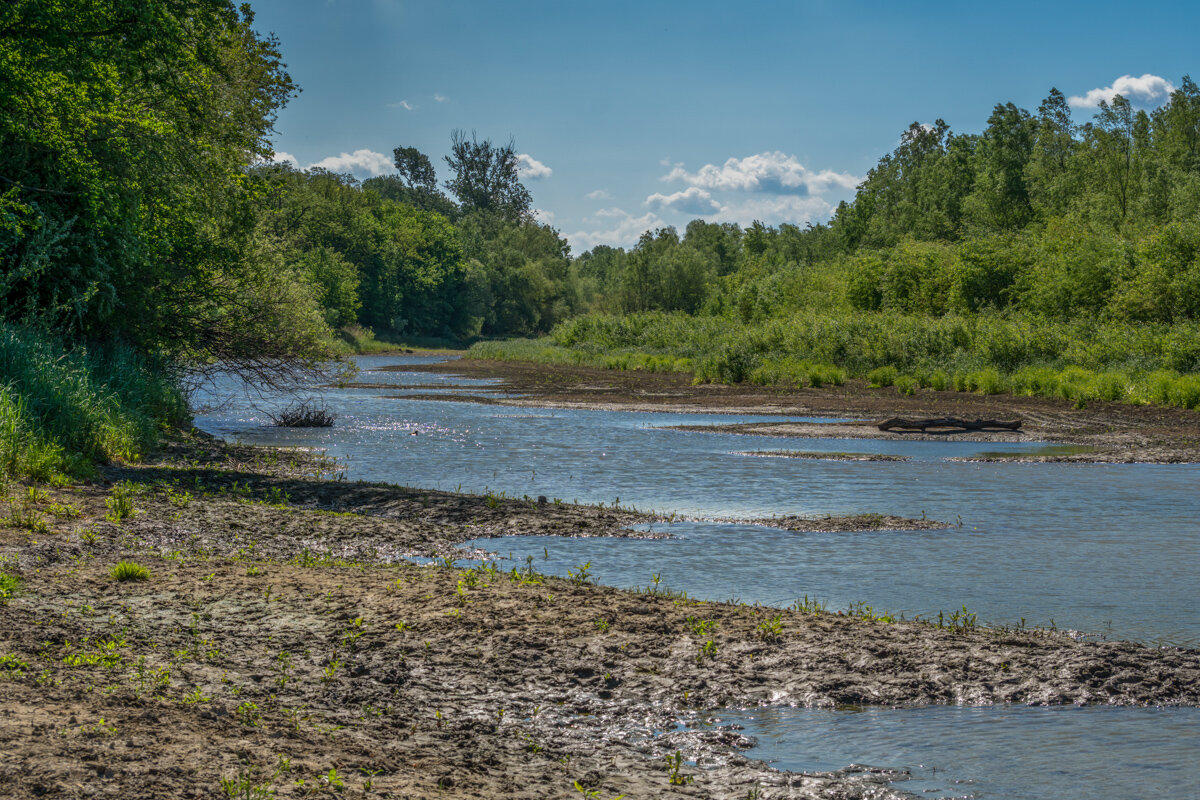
(486,177)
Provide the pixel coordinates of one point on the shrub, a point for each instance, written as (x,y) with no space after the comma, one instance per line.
(882,376)
(304,414)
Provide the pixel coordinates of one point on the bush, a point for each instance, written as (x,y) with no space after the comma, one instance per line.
(882,376)
(304,414)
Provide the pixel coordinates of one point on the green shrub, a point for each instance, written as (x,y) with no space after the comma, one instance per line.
(882,376)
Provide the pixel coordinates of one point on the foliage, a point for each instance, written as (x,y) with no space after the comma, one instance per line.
(125,211)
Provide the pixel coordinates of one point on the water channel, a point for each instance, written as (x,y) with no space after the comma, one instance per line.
(1106,550)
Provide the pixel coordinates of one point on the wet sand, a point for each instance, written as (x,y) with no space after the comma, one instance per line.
(280,637)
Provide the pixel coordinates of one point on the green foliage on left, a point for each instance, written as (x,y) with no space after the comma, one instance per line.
(63,407)
(126,213)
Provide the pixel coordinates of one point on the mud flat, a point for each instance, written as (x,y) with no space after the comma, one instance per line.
(280,643)
(817,455)
(1110,432)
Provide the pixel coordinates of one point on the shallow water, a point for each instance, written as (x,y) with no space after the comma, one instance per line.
(1110,550)
(1011,752)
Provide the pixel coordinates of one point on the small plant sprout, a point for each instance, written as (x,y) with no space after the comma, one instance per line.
(129,571)
(770,629)
(592,794)
(581,574)
(674,766)
(602,625)
(707,650)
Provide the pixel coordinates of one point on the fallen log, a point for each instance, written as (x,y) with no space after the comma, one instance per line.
(901,425)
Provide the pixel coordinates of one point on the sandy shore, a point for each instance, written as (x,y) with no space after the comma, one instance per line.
(280,643)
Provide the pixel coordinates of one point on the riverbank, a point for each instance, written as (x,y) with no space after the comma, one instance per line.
(278,643)
(1102,432)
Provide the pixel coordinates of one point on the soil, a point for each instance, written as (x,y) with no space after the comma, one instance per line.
(1104,432)
(284,643)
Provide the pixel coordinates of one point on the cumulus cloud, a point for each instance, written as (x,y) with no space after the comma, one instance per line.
(360,162)
(615,227)
(599,194)
(775,172)
(529,167)
(1148,90)
(543,216)
(692,200)
(776,209)
(282,157)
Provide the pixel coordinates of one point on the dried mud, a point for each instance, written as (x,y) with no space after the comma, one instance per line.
(282,643)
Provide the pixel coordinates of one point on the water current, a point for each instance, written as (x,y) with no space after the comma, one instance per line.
(1107,550)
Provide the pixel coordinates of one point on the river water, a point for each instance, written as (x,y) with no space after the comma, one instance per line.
(1107,550)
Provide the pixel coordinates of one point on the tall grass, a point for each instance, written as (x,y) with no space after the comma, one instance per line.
(1080,360)
(64,408)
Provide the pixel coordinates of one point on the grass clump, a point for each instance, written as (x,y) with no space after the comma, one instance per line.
(129,571)
(8,586)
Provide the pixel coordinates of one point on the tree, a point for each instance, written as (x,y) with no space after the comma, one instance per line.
(486,178)
(1000,199)
(127,129)
(1049,173)
(415,168)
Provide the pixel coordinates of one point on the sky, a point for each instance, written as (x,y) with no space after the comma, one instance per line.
(630,116)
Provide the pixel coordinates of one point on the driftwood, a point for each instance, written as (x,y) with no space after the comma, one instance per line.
(900,424)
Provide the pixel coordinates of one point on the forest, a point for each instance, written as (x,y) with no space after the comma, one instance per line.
(147,235)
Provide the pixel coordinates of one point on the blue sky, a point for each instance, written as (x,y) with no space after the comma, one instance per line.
(638,115)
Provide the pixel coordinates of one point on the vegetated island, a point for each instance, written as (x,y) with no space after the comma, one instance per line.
(1100,433)
(267,619)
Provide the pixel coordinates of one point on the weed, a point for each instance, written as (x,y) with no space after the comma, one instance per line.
(129,571)
(120,502)
(770,629)
(592,794)
(248,714)
(707,650)
(602,625)
(8,586)
(674,766)
(581,574)
(245,786)
(12,666)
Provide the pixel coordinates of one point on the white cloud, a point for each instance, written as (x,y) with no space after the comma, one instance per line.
(359,162)
(281,157)
(599,194)
(441,98)
(692,200)
(615,227)
(1148,90)
(776,209)
(543,216)
(529,167)
(407,106)
(776,173)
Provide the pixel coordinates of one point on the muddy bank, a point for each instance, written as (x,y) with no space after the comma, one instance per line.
(817,455)
(1116,433)
(279,644)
